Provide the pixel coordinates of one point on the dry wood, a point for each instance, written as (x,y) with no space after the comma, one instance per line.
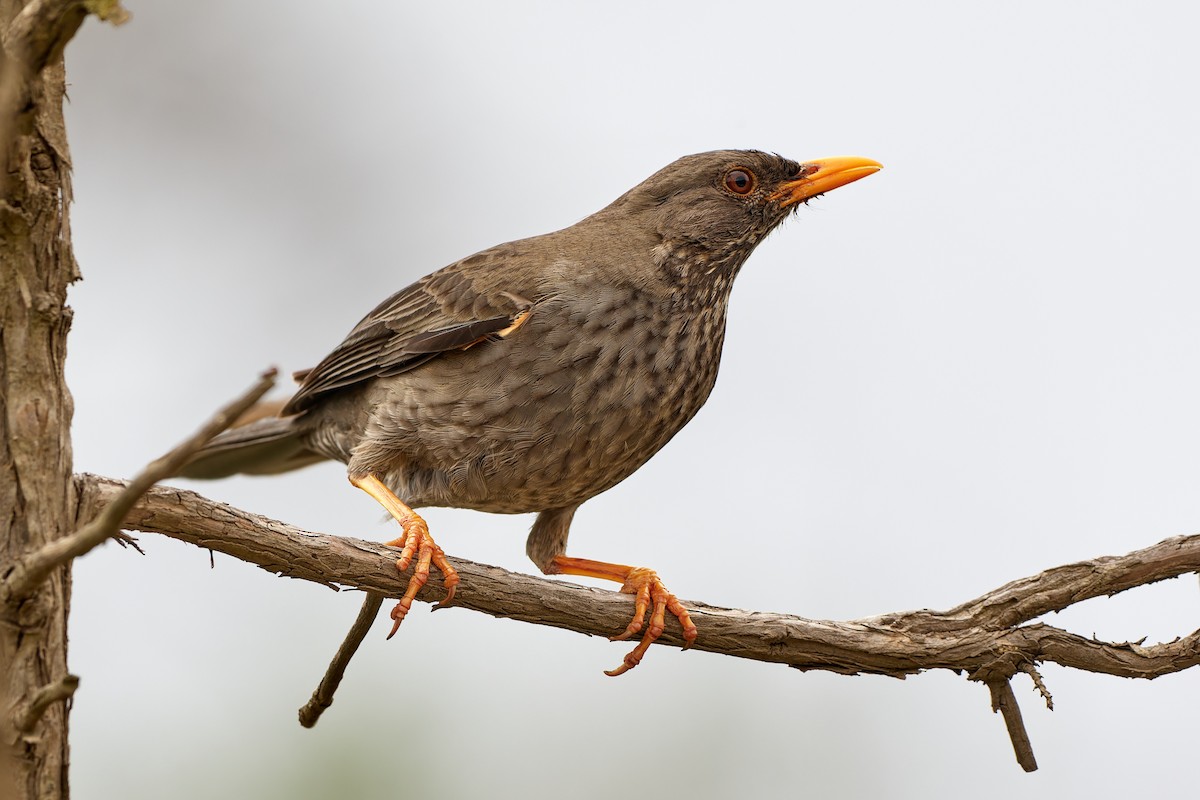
(985,637)
(989,638)
(322,697)
(62,689)
(30,570)
(36,266)
(1004,701)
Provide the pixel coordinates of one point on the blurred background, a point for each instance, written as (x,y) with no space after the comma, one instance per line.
(975,365)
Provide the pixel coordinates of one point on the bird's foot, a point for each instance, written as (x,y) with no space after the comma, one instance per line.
(649,594)
(417,542)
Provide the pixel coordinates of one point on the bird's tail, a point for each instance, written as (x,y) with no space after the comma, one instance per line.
(260,443)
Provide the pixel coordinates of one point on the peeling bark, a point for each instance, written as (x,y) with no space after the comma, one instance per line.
(36,492)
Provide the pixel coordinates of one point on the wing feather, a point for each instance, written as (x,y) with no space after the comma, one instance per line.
(440,313)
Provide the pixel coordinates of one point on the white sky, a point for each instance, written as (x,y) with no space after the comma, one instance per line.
(975,365)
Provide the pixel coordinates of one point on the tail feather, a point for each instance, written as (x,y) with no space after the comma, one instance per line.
(265,446)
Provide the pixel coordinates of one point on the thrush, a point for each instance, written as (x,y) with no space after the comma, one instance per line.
(537,374)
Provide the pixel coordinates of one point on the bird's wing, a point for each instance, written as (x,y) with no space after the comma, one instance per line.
(440,313)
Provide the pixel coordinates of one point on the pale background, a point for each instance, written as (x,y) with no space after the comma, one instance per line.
(977,364)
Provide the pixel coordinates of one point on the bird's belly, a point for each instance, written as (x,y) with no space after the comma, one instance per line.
(547,422)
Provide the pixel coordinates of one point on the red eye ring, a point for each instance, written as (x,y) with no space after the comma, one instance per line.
(740,181)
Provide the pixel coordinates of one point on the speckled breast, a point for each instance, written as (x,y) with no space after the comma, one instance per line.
(565,408)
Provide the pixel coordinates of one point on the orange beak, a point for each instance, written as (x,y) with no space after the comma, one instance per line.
(823,175)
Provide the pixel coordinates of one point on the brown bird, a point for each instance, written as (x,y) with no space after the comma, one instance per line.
(537,374)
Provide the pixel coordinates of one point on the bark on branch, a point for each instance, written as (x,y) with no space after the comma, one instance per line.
(35,39)
(36,266)
(991,637)
(29,571)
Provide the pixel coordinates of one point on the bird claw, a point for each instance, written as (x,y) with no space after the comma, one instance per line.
(417,542)
(414,543)
(649,594)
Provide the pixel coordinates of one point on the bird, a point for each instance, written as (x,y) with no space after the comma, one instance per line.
(534,375)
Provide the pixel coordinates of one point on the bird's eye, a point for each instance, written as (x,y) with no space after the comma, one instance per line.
(739,181)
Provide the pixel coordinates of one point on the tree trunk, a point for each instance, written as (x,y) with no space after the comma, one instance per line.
(36,267)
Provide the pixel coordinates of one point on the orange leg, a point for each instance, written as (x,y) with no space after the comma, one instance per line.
(649,593)
(416,541)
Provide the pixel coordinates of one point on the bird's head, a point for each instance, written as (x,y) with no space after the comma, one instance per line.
(714,208)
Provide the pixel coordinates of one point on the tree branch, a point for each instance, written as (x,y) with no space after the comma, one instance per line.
(322,697)
(35,39)
(61,690)
(983,637)
(986,638)
(32,569)
(36,267)
(1004,701)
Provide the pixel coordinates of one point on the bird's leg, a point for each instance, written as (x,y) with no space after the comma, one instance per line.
(649,593)
(416,541)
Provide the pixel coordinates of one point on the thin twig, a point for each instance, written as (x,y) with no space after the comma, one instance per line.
(322,698)
(125,540)
(1004,701)
(62,689)
(34,568)
(1039,684)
